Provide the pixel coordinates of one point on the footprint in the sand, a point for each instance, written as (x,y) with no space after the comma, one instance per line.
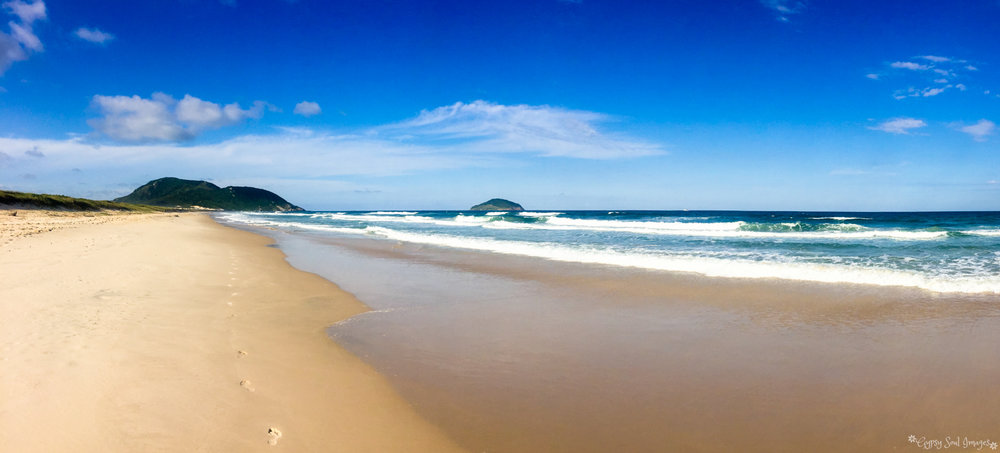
(241,354)
(247,385)
(273,434)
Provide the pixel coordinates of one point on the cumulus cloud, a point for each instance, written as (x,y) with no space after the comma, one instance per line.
(307,108)
(163,118)
(899,125)
(482,126)
(198,115)
(17,44)
(93,35)
(784,8)
(980,130)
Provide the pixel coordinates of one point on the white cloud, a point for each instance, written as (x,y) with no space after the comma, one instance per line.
(980,130)
(937,75)
(162,118)
(872,76)
(198,115)
(307,108)
(482,126)
(27,12)
(937,69)
(928,92)
(149,134)
(251,156)
(899,125)
(93,35)
(136,119)
(971,68)
(784,8)
(24,35)
(16,45)
(909,65)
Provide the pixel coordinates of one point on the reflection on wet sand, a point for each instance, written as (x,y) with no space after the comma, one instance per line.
(519,354)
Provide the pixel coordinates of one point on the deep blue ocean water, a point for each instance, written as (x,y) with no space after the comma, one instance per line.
(937,251)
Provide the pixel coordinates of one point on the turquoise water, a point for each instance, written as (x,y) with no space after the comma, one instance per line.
(941,251)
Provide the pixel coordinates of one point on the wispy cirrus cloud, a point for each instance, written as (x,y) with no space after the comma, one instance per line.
(163,118)
(935,58)
(479,134)
(94,35)
(901,126)
(305,160)
(21,41)
(926,75)
(909,65)
(543,130)
(784,9)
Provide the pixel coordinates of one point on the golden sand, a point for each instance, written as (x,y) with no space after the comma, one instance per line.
(172,333)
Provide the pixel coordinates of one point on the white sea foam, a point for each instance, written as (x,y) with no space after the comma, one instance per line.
(718,229)
(249,219)
(737,264)
(392,213)
(708,266)
(465,220)
(840,218)
(496,213)
(538,214)
(994,233)
(738,229)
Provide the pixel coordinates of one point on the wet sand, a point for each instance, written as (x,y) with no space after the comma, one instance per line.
(513,354)
(173,333)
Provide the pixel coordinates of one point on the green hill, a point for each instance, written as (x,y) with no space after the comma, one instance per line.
(24,200)
(175,192)
(497,204)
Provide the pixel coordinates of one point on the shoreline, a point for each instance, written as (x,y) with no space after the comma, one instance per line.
(176,333)
(511,353)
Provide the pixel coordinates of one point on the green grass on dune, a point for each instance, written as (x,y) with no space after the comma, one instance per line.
(22,200)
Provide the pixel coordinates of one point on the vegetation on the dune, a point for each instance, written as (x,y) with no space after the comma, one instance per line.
(497,204)
(184,193)
(24,200)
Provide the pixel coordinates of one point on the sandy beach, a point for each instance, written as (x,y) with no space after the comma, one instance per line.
(173,333)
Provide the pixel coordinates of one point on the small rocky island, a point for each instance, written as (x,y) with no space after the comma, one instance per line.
(184,193)
(497,204)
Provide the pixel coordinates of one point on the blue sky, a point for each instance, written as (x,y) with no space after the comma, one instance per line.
(377,104)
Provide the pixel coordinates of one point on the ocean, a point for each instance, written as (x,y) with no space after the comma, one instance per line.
(945,252)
